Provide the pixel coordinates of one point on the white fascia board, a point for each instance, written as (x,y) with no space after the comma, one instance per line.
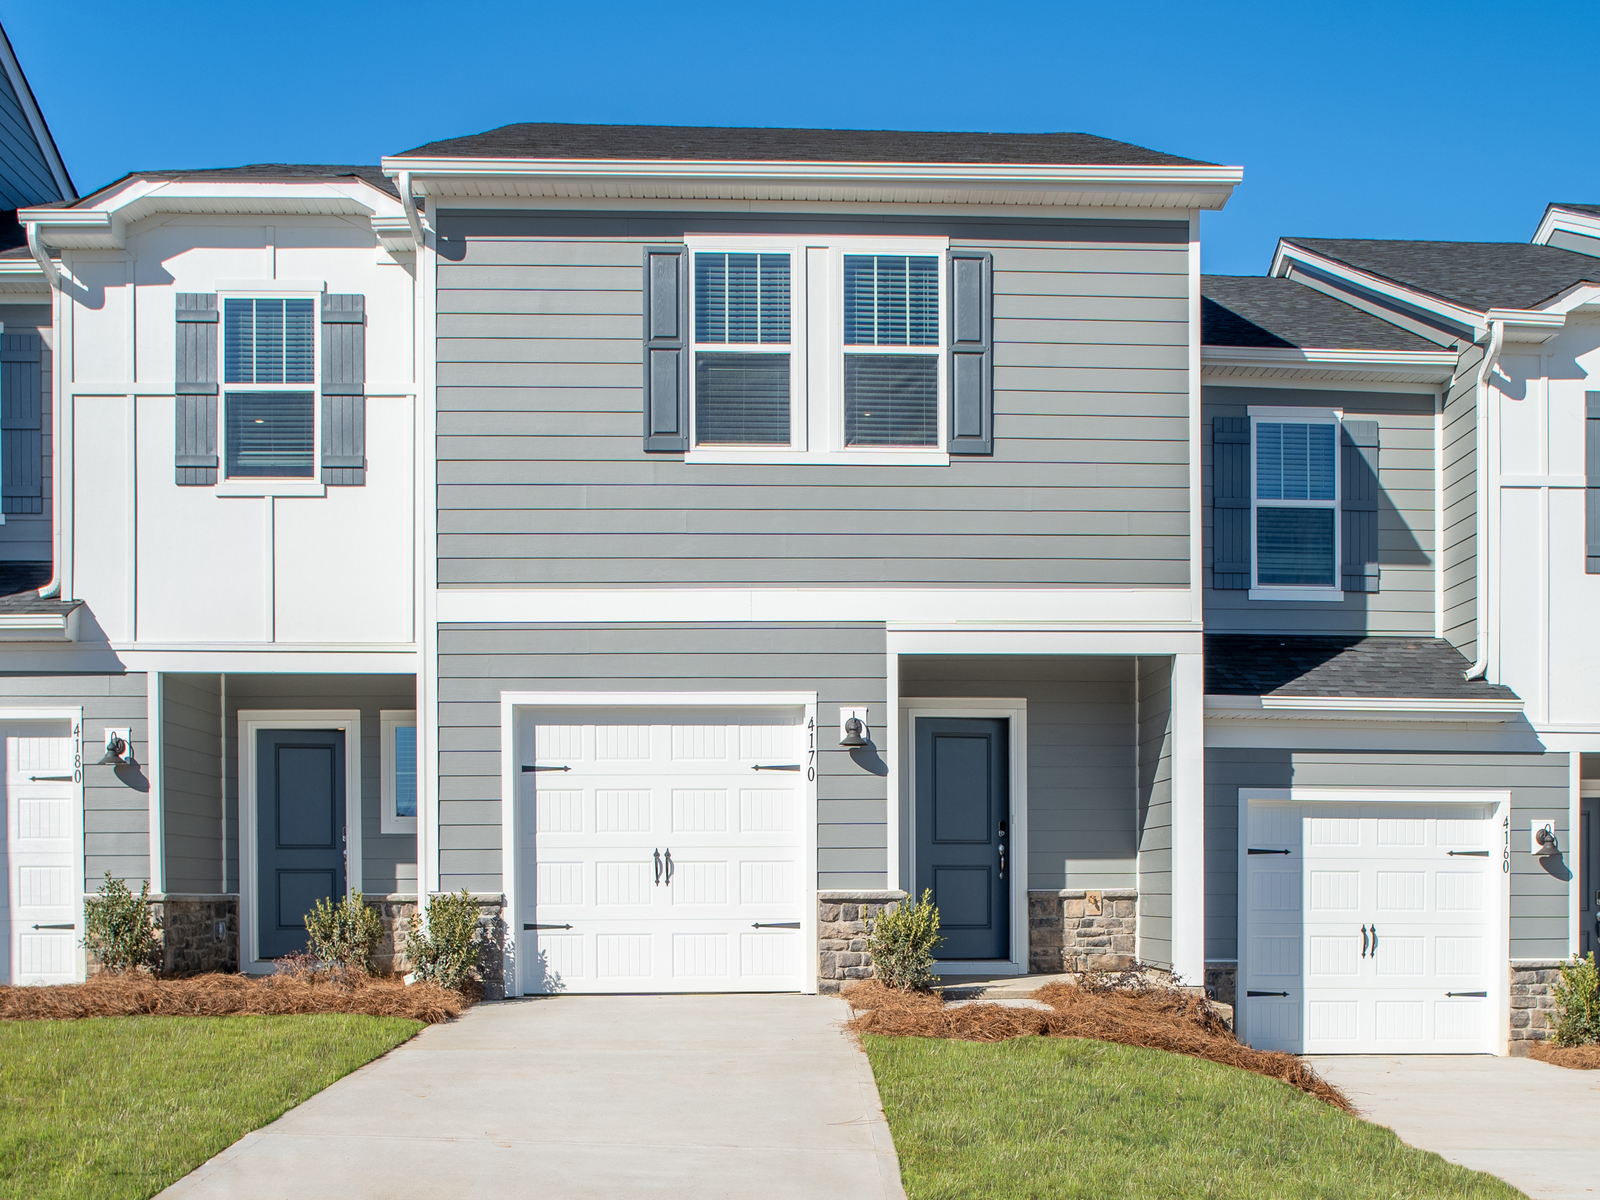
(21,275)
(1424,366)
(39,627)
(1565,220)
(1206,187)
(1361,708)
(1288,253)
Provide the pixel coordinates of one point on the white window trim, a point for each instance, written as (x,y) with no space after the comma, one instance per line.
(389,720)
(1298,416)
(816,364)
(270,485)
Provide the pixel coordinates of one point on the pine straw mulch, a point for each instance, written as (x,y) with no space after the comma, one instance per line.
(137,993)
(1579,1058)
(1153,1017)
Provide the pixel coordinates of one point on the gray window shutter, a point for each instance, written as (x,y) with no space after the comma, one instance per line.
(666,348)
(195,450)
(344,390)
(971,352)
(1230,503)
(1591,494)
(1358,505)
(21,424)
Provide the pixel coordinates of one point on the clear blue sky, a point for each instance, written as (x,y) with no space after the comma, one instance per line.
(1390,120)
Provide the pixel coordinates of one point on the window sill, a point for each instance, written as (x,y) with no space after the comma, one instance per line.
(271,487)
(1326,595)
(390,826)
(858,458)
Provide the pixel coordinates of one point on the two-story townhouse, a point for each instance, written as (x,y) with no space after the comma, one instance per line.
(1399,697)
(813,519)
(214,688)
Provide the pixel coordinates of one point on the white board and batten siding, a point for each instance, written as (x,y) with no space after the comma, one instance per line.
(1374,925)
(41,905)
(663,849)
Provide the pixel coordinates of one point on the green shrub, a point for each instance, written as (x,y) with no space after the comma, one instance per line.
(1578,1001)
(902,942)
(344,934)
(118,928)
(444,948)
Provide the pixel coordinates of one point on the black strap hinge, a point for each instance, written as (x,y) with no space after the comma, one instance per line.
(1254,850)
(1284,994)
(547,926)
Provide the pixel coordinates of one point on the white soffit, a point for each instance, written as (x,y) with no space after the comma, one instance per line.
(1361,708)
(1046,185)
(1372,366)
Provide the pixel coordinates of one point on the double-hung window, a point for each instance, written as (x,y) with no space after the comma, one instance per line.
(819,349)
(269,387)
(1295,502)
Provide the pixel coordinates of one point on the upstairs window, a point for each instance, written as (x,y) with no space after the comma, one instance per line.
(742,367)
(1296,503)
(269,429)
(891,394)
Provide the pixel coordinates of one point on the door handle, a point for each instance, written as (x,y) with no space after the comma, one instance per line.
(1363,941)
(658,867)
(1374,941)
(669,867)
(1002,849)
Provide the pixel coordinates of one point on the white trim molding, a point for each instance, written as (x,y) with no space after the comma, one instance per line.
(250,722)
(1363,708)
(389,720)
(1013,710)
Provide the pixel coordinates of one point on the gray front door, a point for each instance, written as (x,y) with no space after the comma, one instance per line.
(1589,875)
(963,819)
(299,831)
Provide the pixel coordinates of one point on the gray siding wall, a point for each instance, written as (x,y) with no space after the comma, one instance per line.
(842,663)
(1538,785)
(1459,543)
(1404,603)
(1155,810)
(542,478)
(25,176)
(388,862)
(1082,778)
(116,808)
(191,782)
(26,537)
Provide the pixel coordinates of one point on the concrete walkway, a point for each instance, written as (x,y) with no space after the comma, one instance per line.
(606,1096)
(1534,1125)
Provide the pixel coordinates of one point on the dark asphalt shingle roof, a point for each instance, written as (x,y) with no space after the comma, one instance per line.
(1351,667)
(1267,313)
(1592,209)
(1477,275)
(545,140)
(19,589)
(267,172)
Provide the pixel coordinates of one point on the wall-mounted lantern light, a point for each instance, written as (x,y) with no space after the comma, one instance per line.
(1545,844)
(853,729)
(119,748)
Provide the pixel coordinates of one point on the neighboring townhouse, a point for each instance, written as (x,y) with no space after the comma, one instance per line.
(689,540)
(216,690)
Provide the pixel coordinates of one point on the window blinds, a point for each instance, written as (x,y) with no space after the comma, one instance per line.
(268,341)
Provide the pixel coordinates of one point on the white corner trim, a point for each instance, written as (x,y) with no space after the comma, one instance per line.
(390,719)
(249,722)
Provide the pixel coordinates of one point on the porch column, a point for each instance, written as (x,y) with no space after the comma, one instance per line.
(1188,818)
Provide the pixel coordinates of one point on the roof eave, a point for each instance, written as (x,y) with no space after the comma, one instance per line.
(1377,366)
(1206,187)
(1485,710)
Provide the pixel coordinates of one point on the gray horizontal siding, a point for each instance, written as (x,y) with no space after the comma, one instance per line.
(1082,803)
(1405,602)
(191,782)
(116,808)
(842,663)
(542,479)
(1538,786)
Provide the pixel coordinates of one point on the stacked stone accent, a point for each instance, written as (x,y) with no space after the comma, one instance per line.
(1222,982)
(842,920)
(1533,1003)
(1082,930)
(395,912)
(197,934)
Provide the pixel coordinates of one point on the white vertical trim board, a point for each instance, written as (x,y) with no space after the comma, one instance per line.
(1196,392)
(1188,817)
(1015,711)
(511,706)
(251,721)
(155,760)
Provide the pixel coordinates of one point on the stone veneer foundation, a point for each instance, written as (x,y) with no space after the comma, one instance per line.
(197,933)
(1533,1003)
(842,918)
(1078,929)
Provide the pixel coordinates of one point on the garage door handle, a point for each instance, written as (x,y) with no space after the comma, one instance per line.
(1363,941)
(1285,995)
(777,767)
(1484,994)
(776,925)
(55,926)
(658,868)
(669,867)
(1374,941)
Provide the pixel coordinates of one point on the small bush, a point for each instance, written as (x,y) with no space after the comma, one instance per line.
(1578,1000)
(118,928)
(902,942)
(344,934)
(444,948)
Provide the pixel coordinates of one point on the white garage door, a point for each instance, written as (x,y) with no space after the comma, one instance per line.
(1369,928)
(665,849)
(39,907)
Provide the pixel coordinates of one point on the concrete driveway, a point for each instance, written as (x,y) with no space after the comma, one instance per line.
(1534,1125)
(613,1096)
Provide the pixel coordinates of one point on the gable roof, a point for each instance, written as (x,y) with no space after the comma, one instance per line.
(1266,313)
(1341,667)
(730,144)
(1592,210)
(31,170)
(259,172)
(1476,275)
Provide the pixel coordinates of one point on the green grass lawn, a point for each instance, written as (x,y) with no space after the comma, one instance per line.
(1059,1117)
(119,1107)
